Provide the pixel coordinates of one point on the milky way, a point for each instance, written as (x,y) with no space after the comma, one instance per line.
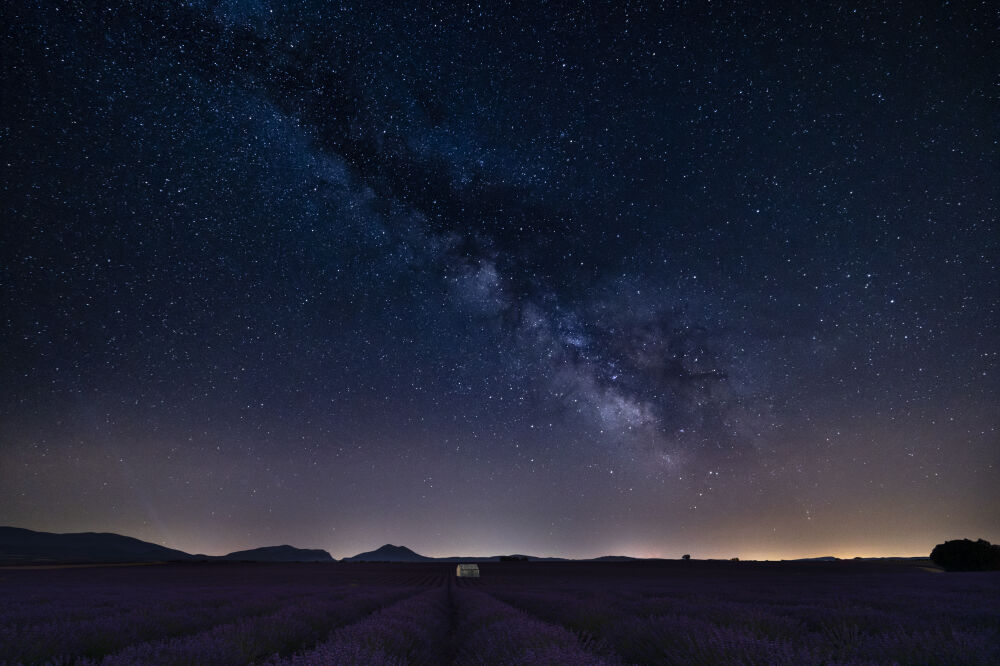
(564,281)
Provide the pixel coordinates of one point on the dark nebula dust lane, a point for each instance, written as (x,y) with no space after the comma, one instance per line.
(566,281)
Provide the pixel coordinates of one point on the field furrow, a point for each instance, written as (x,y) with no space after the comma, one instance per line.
(646,626)
(102,633)
(412,631)
(492,633)
(300,623)
(515,613)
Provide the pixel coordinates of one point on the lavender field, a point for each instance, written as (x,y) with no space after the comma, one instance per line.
(516,613)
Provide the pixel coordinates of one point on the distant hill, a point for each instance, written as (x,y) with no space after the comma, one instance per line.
(389,553)
(21,546)
(500,558)
(280,554)
(18,545)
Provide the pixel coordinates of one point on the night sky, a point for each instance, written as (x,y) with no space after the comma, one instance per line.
(553,279)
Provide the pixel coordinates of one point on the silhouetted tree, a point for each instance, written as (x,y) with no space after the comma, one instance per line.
(967,555)
(685,557)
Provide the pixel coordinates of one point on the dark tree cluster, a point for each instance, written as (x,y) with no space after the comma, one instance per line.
(967,555)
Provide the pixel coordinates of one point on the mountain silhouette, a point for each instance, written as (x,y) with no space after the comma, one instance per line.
(21,545)
(389,553)
(280,554)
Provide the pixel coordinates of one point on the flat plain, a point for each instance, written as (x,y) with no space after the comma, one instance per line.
(641,612)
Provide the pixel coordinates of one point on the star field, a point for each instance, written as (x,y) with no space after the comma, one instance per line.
(561,280)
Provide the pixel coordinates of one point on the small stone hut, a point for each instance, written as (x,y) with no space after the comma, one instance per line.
(467,571)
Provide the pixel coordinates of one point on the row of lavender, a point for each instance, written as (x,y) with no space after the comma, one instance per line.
(393,625)
(237,631)
(185,615)
(472,628)
(409,616)
(924,618)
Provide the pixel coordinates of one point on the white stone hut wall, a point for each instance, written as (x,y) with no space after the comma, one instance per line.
(467,571)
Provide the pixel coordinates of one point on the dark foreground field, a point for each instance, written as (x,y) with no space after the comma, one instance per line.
(516,613)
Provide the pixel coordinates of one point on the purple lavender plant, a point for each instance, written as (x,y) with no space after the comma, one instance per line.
(412,631)
(491,632)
